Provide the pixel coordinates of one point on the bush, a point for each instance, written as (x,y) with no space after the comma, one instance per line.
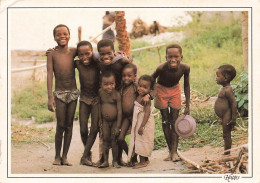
(241,93)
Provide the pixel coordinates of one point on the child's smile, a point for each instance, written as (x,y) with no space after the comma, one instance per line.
(144,87)
(106,54)
(85,53)
(128,76)
(62,36)
(173,57)
(108,84)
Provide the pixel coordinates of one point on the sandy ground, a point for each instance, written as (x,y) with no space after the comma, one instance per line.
(35,158)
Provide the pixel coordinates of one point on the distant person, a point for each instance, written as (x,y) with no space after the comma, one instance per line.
(89,74)
(168,96)
(108,20)
(63,100)
(226,105)
(156,28)
(142,132)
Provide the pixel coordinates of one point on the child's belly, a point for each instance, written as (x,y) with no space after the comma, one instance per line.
(109,112)
(221,107)
(128,107)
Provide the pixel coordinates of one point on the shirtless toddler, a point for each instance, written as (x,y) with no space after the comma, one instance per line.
(226,105)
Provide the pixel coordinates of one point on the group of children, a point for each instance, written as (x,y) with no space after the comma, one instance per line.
(117,103)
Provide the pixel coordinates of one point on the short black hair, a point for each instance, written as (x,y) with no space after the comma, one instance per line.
(105,43)
(148,78)
(84,43)
(174,46)
(228,71)
(60,25)
(131,66)
(106,74)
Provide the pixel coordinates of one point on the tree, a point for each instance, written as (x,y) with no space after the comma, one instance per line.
(122,37)
(244,19)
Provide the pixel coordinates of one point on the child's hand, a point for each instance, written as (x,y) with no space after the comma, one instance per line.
(51,50)
(116,132)
(51,104)
(140,131)
(187,111)
(145,100)
(232,123)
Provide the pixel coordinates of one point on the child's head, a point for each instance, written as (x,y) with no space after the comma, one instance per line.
(106,51)
(61,34)
(108,81)
(173,55)
(85,52)
(129,74)
(225,74)
(145,84)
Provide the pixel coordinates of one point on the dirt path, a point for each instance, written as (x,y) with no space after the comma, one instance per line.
(35,158)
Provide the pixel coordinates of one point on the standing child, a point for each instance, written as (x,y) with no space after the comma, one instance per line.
(168,97)
(111,115)
(64,99)
(226,105)
(89,84)
(142,132)
(129,94)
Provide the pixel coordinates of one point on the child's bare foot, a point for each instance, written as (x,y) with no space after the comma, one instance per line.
(122,163)
(140,165)
(115,164)
(175,158)
(168,158)
(104,165)
(57,161)
(65,162)
(86,162)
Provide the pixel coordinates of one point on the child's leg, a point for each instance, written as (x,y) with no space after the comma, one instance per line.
(93,131)
(106,138)
(114,145)
(175,138)
(166,130)
(71,108)
(60,127)
(84,111)
(227,132)
(121,140)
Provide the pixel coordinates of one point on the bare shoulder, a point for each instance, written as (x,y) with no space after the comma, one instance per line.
(116,95)
(161,66)
(185,67)
(228,90)
(73,51)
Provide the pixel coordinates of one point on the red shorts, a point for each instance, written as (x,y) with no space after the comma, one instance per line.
(168,97)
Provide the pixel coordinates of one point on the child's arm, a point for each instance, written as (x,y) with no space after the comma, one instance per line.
(119,113)
(157,71)
(233,104)
(51,101)
(147,111)
(187,89)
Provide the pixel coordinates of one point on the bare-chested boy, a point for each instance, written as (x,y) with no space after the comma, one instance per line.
(168,97)
(89,84)
(109,60)
(111,115)
(226,105)
(129,94)
(64,99)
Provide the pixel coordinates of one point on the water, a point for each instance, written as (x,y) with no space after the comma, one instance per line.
(32,29)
